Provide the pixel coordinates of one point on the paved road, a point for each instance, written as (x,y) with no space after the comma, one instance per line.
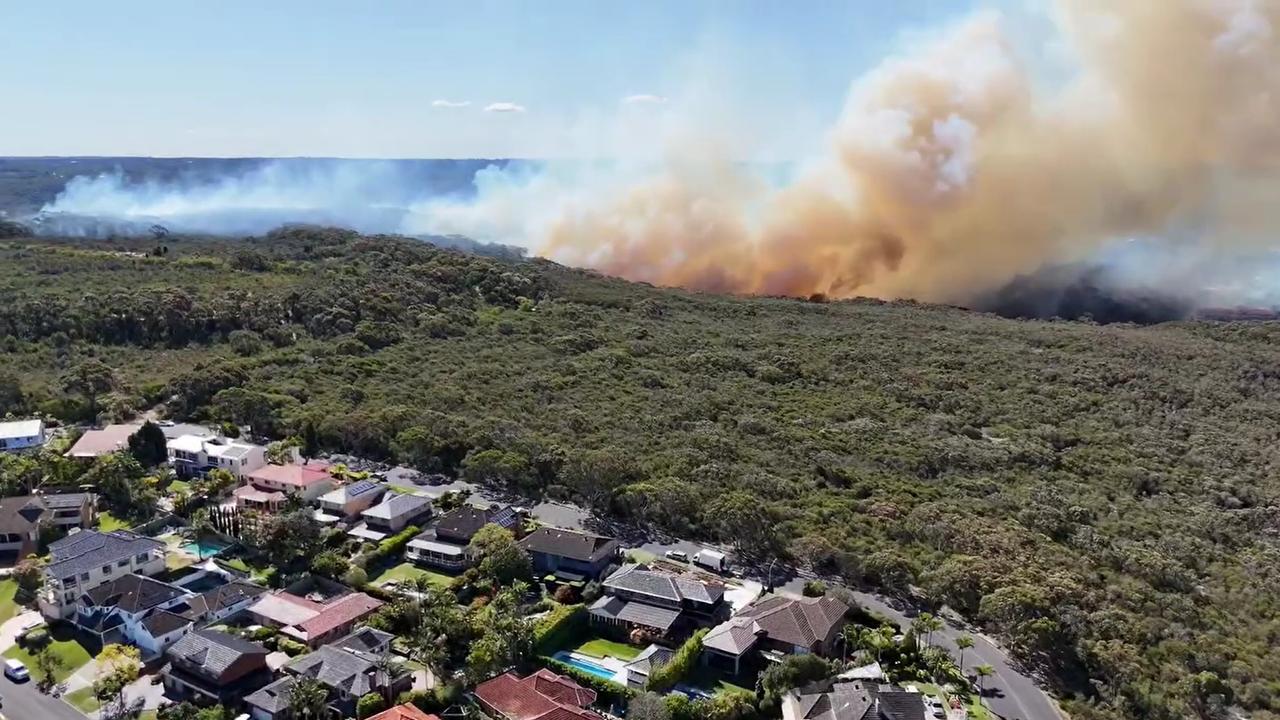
(23,701)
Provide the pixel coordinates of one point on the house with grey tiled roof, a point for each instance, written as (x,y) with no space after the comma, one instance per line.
(853,701)
(396,512)
(568,555)
(212,667)
(346,672)
(445,545)
(135,610)
(776,626)
(86,559)
(666,604)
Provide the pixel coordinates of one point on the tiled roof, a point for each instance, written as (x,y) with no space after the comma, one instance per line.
(133,593)
(365,640)
(398,505)
(253,494)
(616,608)
(214,651)
(230,594)
(403,712)
(569,544)
(163,622)
(346,609)
(295,475)
(19,515)
(338,669)
(639,578)
(543,695)
(734,636)
(354,490)
(797,621)
(650,659)
(463,522)
(285,609)
(66,501)
(101,442)
(89,549)
(273,698)
(852,701)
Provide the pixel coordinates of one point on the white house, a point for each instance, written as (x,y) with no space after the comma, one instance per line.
(134,609)
(196,455)
(19,435)
(86,559)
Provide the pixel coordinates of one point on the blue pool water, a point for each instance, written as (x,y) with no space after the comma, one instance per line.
(603,673)
(204,548)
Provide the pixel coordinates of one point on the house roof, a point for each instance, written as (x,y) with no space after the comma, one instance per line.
(541,696)
(296,475)
(213,651)
(397,505)
(66,501)
(852,701)
(650,659)
(639,613)
(346,609)
(365,640)
(133,593)
(16,429)
(88,549)
(285,609)
(347,493)
(253,494)
(796,621)
(101,442)
(19,515)
(570,544)
(403,712)
(640,579)
(273,698)
(163,622)
(231,594)
(463,522)
(733,636)
(337,669)
(427,541)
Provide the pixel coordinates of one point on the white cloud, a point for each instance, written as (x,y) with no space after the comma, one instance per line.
(644,100)
(504,107)
(450,103)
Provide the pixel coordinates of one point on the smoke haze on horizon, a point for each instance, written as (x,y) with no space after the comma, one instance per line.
(950,172)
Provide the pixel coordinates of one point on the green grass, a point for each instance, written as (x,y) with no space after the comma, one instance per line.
(108,522)
(599,647)
(8,604)
(178,486)
(148,715)
(82,700)
(401,489)
(976,710)
(409,571)
(713,681)
(72,653)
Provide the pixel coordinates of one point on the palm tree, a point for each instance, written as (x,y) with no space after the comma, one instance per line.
(964,642)
(983,672)
(850,636)
(386,668)
(877,640)
(308,699)
(932,624)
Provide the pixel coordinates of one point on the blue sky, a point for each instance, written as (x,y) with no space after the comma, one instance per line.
(315,77)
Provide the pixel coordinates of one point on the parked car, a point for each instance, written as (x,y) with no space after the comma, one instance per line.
(16,671)
(680,555)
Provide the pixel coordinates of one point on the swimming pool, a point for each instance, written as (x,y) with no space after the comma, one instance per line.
(204,548)
(591,668)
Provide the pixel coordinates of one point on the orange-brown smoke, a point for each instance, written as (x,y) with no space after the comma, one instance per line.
(950,172)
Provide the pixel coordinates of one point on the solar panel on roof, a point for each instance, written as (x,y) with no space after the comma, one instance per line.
(361,488)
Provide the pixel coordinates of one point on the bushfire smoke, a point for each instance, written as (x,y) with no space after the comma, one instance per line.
(951,171)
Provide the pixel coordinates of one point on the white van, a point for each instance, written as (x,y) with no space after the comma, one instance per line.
(711,559)
(15,670)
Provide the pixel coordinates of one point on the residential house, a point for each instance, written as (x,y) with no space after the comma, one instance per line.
(351,499)
(22,435)
(134,610)
(196,455)
(568,555)
(852,701)
(776,626)
(543,695)
(95,443)
(69,510)
(305,481)
(396,512)
(347,674)
(214,668)
(310,622)
(663,604)
(403,712)
(445,545)
(86,559)
(643,665)
(221,602)
(249,497)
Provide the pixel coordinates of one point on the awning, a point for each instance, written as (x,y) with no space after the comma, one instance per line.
(648,615)
(362,531)
(566,576)
(437,547)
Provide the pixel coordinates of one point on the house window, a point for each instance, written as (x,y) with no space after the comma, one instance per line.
(106,569)
(141,559)
(123,563)
(84,576)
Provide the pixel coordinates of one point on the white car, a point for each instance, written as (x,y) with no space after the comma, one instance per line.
(680,555)
(16,671)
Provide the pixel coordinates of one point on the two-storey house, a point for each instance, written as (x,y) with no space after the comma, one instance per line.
(664,604)
(196,455)
(22,435)
(134,610)
(775,626)
(568,555)
(21,519)
(86,559)
(396,512)
(446,545)
(351,499)
(209,667)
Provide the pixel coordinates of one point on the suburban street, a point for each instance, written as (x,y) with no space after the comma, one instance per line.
(22,701)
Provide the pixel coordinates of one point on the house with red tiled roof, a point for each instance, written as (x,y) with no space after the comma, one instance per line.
(403,712)
(776,626)
(543,695)
(307,481)
(310,622)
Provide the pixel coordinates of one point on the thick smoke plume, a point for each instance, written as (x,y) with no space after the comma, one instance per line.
(951,172)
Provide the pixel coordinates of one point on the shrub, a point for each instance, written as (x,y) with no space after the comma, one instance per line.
(556,629)
(356,577)
(290,647)
(815,588)
(683,663)
(565,594)
(36,637)
(329,564)
(262,633)
(370,704)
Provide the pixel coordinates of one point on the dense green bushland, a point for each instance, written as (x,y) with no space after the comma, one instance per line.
(1102,497)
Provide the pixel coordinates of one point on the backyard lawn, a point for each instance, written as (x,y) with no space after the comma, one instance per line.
(179,486)
(65,647)
(108,522)
(713,681)
(599,647)
(8,606)
(409,571)
(82,700)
